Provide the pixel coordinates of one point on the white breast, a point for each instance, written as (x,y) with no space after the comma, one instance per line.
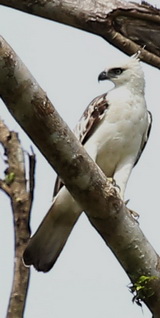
(120,133)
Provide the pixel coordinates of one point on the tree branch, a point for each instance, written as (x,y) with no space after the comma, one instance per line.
(32,109)
(127,26)
(14,185)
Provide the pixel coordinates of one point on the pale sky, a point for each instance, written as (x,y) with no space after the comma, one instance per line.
(87,280)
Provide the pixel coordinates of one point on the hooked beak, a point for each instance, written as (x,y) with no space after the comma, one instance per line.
(103,76)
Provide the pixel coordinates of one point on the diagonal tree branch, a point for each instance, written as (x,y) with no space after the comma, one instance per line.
(32,109)
(14,185)
(126,25)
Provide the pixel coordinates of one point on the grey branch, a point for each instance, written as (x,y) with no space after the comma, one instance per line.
(14,185)
(128,26)
(34,112)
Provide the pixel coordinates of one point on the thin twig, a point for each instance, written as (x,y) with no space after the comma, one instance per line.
(14,185)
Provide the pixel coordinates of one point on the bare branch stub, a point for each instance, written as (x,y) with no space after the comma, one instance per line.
(14,185)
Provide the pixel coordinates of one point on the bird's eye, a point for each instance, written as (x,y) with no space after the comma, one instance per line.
(117,71)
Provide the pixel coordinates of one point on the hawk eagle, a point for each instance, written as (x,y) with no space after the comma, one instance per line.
(114,130)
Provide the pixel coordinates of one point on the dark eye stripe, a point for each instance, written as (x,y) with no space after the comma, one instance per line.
(116,71)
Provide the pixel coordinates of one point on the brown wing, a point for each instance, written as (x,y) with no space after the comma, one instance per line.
(87,125)
(90,118)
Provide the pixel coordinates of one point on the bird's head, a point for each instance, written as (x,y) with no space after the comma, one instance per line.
(125,72)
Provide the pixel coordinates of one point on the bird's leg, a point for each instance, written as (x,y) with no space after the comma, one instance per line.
(113,181)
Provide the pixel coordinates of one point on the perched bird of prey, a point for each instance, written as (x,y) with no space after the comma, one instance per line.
(114,130)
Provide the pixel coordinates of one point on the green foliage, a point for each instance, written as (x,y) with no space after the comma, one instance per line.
(141,289)
(9,178)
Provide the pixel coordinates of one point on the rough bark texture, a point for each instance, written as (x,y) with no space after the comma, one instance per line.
(128,26)
(14,185)
(31,108)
